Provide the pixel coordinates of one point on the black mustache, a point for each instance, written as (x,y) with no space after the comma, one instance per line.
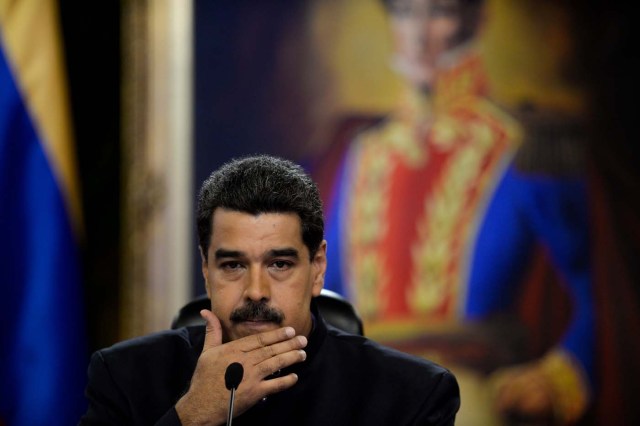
(257,311)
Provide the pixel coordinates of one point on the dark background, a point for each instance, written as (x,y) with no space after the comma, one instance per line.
(91,33)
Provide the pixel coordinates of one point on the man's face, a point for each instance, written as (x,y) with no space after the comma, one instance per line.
(423,30)
(259,275)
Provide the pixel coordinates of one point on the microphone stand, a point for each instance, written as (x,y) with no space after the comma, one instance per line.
(231,401)
(232,378)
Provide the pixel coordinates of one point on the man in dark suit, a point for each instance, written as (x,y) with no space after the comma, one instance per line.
(260,229)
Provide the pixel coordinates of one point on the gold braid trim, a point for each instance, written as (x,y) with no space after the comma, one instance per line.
(377,152)
(372,166)
(568,383)
(450,210)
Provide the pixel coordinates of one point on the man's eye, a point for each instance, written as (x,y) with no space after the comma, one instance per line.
(231,266)
(281,265)
(444,9)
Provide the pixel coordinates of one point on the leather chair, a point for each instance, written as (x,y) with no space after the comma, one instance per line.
(335,309)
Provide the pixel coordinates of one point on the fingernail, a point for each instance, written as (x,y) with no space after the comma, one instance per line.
(290,332)
(303,354)
(302,340)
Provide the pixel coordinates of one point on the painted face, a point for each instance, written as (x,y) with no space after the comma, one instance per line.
(259,275)
(423,30)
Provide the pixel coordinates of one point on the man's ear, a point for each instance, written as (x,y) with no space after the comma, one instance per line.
(204,269)
(319,267)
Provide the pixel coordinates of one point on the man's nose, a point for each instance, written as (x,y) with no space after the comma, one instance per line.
(258,287)
(418,33)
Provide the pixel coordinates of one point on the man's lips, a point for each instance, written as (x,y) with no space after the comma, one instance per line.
(256,325)
(255,321)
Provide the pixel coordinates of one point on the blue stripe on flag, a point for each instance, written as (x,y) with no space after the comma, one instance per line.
(43,355)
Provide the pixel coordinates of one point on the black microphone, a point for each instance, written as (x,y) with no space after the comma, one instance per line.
(232,379)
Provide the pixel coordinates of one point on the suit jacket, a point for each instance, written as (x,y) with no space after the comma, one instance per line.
(345,380)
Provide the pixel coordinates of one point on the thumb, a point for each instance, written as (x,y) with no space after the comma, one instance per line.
(213,334)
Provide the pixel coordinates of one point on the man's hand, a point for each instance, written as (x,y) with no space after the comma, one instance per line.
(206,402)
(523,393)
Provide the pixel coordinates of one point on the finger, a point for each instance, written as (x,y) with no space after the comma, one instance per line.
(270,351)
(279,362)
(213,334)
(507,394)
(524,394)
(269,387)
(255,341)
(536,396)
(536,403)
(503,401)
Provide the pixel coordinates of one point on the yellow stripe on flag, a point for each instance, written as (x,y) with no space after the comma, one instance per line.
(30,34)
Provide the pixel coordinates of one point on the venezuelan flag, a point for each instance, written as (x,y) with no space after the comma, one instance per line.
(43,355)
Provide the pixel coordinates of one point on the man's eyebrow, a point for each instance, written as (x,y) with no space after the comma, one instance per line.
(284,252)
(224,253)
